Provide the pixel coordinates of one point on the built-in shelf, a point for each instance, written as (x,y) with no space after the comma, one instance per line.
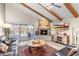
(60,26)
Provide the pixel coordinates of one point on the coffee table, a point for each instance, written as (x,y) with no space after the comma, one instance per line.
(36,46)
(36,43)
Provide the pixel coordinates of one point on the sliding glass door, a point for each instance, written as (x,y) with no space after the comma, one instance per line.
(21,31)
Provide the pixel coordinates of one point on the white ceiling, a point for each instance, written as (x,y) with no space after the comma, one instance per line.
(76,6)
(25,10)
(62,12)
(41,10)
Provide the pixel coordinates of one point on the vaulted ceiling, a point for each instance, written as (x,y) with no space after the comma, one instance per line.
(41,10)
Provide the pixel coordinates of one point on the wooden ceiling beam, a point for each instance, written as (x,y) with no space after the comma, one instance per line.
(26,6)
(71,9)
(51,12)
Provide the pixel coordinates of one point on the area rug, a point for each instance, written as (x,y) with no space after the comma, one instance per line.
(48,51)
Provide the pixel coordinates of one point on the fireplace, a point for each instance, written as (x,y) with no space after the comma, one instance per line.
(43,32)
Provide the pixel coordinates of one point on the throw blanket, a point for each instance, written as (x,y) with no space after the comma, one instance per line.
(3,47)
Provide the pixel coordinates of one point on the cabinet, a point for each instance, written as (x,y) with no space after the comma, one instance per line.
(63,39)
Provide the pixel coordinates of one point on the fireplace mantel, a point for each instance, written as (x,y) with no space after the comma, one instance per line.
(43,27)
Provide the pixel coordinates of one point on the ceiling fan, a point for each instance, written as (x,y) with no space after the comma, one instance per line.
(54,4)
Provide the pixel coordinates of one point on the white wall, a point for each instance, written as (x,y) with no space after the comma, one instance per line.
(1,13)
(14,15)
(74,26)
(1,17)
(18,16)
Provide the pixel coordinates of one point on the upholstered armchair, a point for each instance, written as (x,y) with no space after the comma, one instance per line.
(66,51)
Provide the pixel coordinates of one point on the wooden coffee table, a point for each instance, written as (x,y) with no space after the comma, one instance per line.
(36,43)
(36,46)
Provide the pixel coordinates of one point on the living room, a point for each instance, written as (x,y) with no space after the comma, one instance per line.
(39,29)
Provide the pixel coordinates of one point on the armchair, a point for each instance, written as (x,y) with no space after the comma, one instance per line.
(66,51)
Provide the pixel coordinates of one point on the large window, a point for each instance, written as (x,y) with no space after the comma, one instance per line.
(21,30)
(15,29)
(24,30)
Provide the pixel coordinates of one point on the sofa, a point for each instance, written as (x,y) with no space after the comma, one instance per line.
(8,46)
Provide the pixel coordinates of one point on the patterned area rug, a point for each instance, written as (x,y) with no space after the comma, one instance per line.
(47,51)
